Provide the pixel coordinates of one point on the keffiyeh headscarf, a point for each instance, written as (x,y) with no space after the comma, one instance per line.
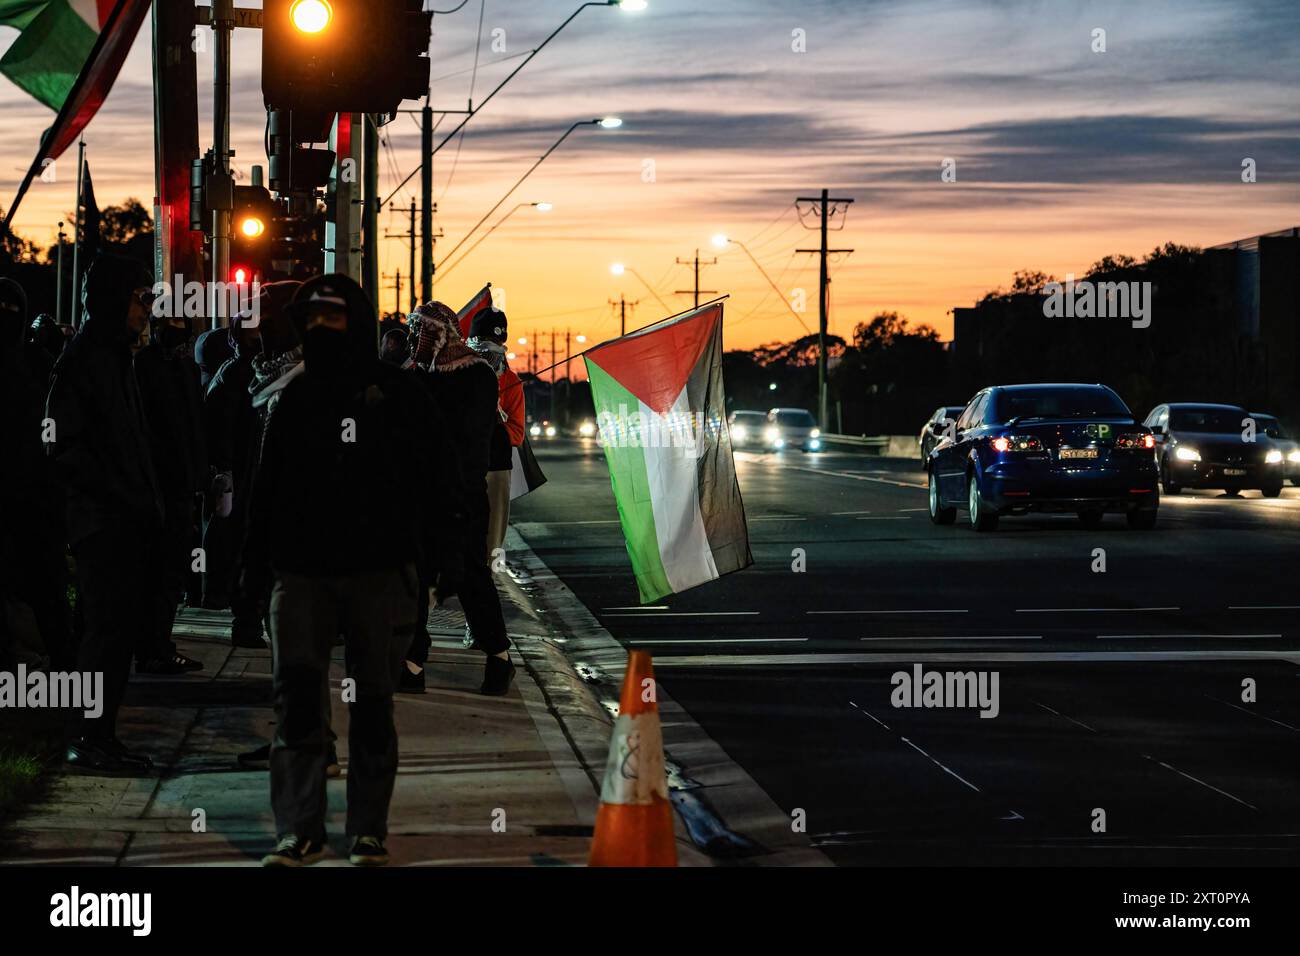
(438,345)
(494,353)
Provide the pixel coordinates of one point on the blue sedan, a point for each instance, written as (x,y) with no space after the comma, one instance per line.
(1054,448)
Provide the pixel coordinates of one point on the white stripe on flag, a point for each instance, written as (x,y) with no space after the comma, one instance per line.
(671,471)
(88,10)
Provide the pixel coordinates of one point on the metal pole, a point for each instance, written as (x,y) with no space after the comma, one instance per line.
(821,327)
(223,27)
(426,210)
(76,236)
(397,299)
(370,222)
(58,291)
(410,275)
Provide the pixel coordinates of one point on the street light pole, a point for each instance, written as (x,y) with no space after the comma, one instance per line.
(721,241)
(543,206)
(619,268)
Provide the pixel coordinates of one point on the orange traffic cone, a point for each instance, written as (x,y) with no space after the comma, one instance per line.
(634,825)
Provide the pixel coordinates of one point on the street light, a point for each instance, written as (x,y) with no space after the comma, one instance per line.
(721,240)
(580,339)
(609,122)
(311,16)
(631,6)
(539,206)
(618,268)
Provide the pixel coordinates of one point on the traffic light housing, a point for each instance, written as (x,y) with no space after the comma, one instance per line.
(253,226)
(346,56)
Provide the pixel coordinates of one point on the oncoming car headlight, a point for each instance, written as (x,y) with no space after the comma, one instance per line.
(739,432)
(1294,456)
(535,431)
(1273,457)
(772,435)
(1187,454)
(587,429)
(550,431)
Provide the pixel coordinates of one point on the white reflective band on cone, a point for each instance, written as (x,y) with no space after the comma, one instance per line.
(634,772)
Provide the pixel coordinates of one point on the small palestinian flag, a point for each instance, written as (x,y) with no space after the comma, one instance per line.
(661,414)
(482,300)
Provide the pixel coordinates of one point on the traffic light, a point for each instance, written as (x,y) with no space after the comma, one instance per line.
(345,56)
(252,230)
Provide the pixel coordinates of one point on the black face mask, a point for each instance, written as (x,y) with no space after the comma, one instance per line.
(327,351)
(175,342)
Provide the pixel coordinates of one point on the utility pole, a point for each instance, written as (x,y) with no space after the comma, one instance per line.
(623,304)
(697,290)
(370,213)
(222,193)
(58,292)
(76,236)
(426,205)
(410,275)
(825,208)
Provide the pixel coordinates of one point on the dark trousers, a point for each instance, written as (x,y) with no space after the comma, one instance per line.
(39,581)
(479,598)
(372,609)
(114,595)
(171,558)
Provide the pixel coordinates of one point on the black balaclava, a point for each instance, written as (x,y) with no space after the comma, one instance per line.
(334,354)
(487,337)
(106,295)
(13,316)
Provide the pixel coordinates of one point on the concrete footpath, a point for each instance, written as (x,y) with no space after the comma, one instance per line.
(482,781)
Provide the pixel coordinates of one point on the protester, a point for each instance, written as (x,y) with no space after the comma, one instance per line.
(465,388)
(101,455)
(212,349)
(487,336)
(349,436)
(173,407)
(34,612)
(45,343)
(230,427)
(395,347)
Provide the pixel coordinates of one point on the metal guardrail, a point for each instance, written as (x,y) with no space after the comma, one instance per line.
(890,446)
(877,442)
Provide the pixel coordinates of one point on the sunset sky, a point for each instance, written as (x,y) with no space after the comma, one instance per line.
(1062,154)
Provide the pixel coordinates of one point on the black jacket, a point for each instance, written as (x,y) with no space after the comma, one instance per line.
(324,505)
(173,405)
(468,399)
(101,451)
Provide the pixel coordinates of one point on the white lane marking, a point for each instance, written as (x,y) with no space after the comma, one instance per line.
(638,607)
(857,477)
(692,614)
(778,518)
(981,656)
(1147,637)
(1081,610)
(913,509)
(1202,783)
(941,766)
(1246,710)
(960,637)
(1264,607)
(1065,717)
(841,514)
(725,640)
(907,611)
(863,710)
(885,518)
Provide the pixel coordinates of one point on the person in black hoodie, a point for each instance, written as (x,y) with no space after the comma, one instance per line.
(113,506)
(33,569)
(465,388)
(173,406)
(349,436)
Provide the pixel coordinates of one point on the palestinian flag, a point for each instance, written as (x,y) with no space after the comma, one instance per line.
(67,56)
(482,300)
(662,419)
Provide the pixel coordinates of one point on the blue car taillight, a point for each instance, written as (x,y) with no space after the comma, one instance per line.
(1017,443)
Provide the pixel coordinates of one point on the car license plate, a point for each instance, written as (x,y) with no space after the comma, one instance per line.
(1233,472)
(1078,453)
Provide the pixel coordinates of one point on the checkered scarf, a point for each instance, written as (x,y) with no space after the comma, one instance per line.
(438,345)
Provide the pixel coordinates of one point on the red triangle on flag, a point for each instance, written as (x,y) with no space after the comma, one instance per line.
(482,300)
(655,365)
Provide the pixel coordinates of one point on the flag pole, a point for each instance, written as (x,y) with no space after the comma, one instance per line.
(76,234)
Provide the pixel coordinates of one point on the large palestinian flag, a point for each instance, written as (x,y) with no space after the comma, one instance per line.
(662,419)
(67,56)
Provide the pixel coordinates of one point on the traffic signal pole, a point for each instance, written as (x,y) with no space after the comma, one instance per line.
(426,206)
(370,224)
(223,26)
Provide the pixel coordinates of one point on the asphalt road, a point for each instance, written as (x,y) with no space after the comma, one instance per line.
(1118,690)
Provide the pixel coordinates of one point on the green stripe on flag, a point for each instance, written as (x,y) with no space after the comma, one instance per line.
(49,53)
(627,475)
(19,13)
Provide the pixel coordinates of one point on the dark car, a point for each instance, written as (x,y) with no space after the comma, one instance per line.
(1283,441)
(746,428)
(943,419)
(1021,448)
(1199,445)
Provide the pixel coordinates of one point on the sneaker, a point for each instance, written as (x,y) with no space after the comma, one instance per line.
(295,851)
(175,664)
(118,749)
(259,759)
(497,675)
(244,634)
(103,757)
(368,851)
(408,683)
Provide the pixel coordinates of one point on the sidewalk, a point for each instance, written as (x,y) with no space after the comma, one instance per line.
(467,762)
